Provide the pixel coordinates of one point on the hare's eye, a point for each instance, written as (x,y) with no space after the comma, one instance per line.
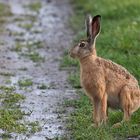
(82,45)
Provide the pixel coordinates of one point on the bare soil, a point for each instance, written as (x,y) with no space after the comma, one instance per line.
(25,31)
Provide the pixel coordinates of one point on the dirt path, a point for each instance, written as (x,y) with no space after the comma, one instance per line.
(31,51)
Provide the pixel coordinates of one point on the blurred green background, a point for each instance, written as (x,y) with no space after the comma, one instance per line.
(119,39)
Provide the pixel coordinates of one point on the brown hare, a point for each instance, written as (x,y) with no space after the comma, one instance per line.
(106,83)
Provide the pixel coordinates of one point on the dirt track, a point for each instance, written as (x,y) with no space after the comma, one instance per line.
(47,35)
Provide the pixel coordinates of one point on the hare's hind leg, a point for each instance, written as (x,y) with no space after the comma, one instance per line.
(135,96)
(126,104)
(100,104)
(130,100)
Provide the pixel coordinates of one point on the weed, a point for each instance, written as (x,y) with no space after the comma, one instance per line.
(32,18)
(17,33)
(25,83)
(11,114)
(67,61)
(26,26)
(36,44)
(74,80)
(12,99)
(30,46)
(62,138)
(42,86)
(39,44)
(19,19)
(18,47)
(35,57)
(34,127)
(7,89)
(4,10)
(23,69)
(60,111)
(35,6)
(1,42)
(6,74)
(8,81)
(4,13)
(6,136)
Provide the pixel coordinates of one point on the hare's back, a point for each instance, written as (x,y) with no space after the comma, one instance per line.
(116,71)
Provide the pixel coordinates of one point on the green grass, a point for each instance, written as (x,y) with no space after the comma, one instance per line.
(42,86)
(74,80)
(68,61)
(36,44)
(32,46)
(36,57)
(118,41)
(31,54)
(26,26)
(5,12)
(23,69)
(80,123)
(25,83)
(35,6)
(18,47)
(8,74)
(11,114)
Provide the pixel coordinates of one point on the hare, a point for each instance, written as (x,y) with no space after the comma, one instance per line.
(106,83)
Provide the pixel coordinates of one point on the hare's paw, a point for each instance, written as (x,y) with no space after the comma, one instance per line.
(95,125)
(117,125)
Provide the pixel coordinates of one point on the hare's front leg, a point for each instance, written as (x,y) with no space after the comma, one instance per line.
(96,113)
(100,110)
(103,112)
(100,104)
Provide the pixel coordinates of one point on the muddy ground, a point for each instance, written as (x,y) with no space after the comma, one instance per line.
(31,49)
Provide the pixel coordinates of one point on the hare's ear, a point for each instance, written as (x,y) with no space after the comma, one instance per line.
(88,23)
(95,26)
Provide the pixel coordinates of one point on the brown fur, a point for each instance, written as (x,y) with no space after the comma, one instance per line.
(105,82)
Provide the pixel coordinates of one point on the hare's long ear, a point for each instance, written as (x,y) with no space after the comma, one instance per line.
(88,24)
(95,26)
